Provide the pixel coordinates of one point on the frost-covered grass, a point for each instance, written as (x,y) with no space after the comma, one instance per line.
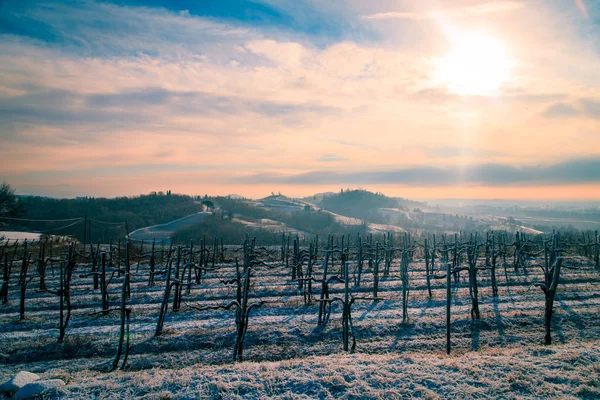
(563,371)
(288,356)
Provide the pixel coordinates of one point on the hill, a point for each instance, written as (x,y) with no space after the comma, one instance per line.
(106,217)
(359,204)
(162,216)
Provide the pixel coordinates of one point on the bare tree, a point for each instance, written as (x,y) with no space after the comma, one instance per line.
(10,206)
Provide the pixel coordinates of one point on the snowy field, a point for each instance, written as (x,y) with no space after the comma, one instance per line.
(288,356)
(12,236)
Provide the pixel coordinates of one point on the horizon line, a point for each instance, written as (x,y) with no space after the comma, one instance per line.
(421,200)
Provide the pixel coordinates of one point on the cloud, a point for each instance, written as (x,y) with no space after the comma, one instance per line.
(288,54)
(560,110)
(104,29)
(327,158)
(461,152)
(576,171)
(135,109)
(89,84)
(586,107)
(591,108)
(198,103)
(469,11)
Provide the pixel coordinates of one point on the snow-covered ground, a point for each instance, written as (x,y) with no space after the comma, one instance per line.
(164,232)
(15,235)
(288,356)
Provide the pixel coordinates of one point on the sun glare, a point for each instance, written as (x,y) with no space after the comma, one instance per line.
(476,64)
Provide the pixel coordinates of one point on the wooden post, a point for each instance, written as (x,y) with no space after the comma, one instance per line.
(242,320)
(331,246)
(504,264)
(359,260)
(222,250)
(342,256)
(597,252)
(127,269)
(448,304)
(90,233)
(215,250)
(152,265)
(110,251)
(42,266)
(433,249)
(177,282)
(473,288)
(282,247)
(376,271)
(517,255)
(165,302)
(137,268)
(494,255)
(287,253)
(191,261)
(95,256)
(202,260)
(103,286)
(404,273)
(428,271)
(295,259)
(5,280)
(346,312)
(84,230)
(61,293)
(65,293)
(455,259)
(308,283)
(388,254)
(23,281)
(487,249)
(551,277)
(119,256)
(324,289)
(124,315)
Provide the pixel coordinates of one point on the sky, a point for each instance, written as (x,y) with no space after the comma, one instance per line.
(420,99)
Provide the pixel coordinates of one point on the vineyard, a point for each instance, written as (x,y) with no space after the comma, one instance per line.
(402,315)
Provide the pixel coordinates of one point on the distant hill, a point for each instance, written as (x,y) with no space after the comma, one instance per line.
(319,196)
(281,202)
(106,217)
(275,213)
(358,203)
(163,215)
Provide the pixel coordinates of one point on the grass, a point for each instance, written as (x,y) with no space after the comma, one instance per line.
(565,371)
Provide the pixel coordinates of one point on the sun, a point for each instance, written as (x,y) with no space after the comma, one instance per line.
(476,64)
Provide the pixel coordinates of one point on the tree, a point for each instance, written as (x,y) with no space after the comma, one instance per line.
(209,204)
(10,206)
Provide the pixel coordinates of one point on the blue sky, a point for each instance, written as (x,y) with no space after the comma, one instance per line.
(500,98)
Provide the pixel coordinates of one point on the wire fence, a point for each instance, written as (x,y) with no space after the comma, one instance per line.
(31,229)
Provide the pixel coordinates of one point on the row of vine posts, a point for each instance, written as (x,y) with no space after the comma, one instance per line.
(341,259)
